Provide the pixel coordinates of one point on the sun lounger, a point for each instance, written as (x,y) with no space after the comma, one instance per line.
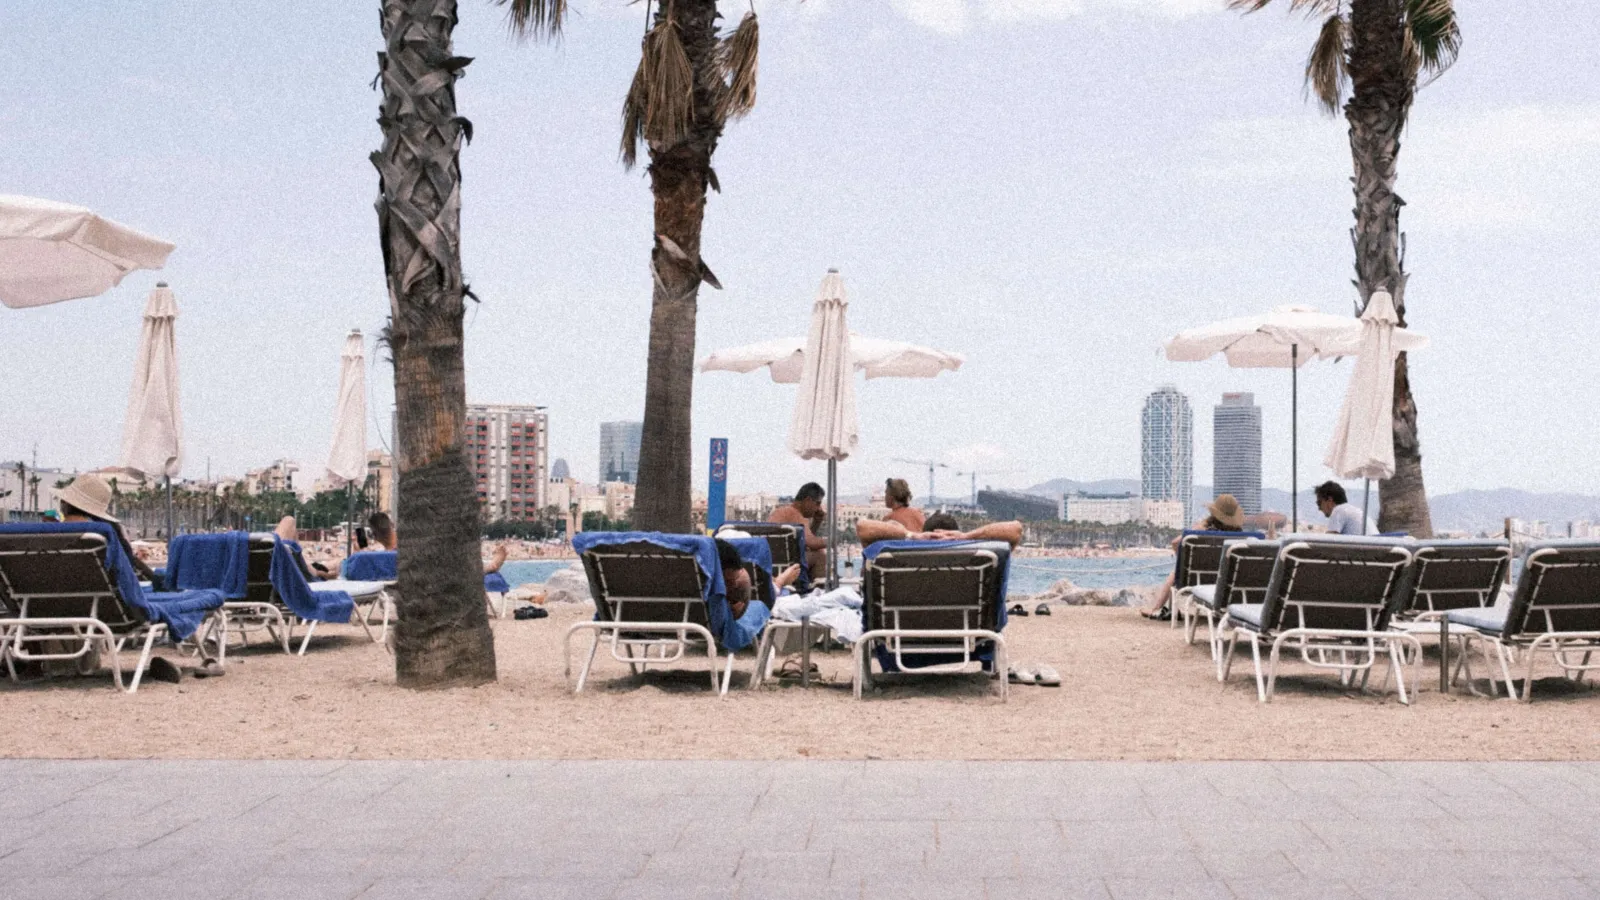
(787,543)
(384,566)
(1330,598)
(1555,609)
(277,593)
(656,596)
(933,606)
(1245,574)
(1446,575)
(69,589)
(1198,563)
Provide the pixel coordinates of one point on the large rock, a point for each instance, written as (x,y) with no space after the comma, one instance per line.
(568,585)
(1065,593)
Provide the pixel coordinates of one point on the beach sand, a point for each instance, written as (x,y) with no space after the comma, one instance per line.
(1132,690)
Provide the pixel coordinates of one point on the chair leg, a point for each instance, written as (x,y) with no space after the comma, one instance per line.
(1255,654)
(583,674)
(727,675)
(856,657)
(1395,663)
(1225,661)
(144,658)
(306,641)
(1002,668)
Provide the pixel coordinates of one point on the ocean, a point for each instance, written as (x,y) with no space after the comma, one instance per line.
(1030,575)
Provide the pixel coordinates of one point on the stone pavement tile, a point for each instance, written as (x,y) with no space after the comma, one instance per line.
(1290,887)
(1413,888)
(1258,836)
(674,889)
(456,888)
(750,834)
(1100,808)
(903,837)
(853,865)
(279,886)
(97,834)
(1494,834)
(781,889)
(922,886)
(1143,864)
(601,862)
(1543,888)
(547,889)
(1032,836)
(1166,837)
(215,885)
(1202,888)
(296,863)
(784,865)
(499,862)
(60,887)
(38,859)
(1241,863)
(1079,888)
(698,865)
(415,861)
(995,861)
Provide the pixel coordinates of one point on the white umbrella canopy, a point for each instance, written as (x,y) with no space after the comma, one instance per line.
(1363,441)
(51,252)
(347,459)
(877,358)
(824,422)
(152,432)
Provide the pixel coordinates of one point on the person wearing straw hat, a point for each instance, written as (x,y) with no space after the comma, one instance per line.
(88,499)
(1222,514)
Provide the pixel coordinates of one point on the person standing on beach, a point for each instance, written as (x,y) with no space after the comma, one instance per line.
(897,496)
(806,510)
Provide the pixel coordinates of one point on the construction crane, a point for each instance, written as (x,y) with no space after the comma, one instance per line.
(974,476)
(931,464)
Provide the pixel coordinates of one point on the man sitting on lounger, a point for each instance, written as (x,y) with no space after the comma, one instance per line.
(938,527)
(806,510)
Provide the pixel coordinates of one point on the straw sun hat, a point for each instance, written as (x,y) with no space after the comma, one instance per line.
(90,494)
(1225,509)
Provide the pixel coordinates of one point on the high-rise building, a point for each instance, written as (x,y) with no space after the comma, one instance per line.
(1236,450)
(619,451)
(559,470)
(506,449)
(1166,464)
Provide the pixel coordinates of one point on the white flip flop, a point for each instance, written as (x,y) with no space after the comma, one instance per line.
(1047,677)
(1023,674)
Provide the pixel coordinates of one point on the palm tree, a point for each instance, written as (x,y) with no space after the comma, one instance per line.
(690,81)
(1377,49)
(442,636)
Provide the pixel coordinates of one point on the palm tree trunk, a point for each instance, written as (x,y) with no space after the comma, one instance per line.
(679,176)
(1382,89)
(442,638)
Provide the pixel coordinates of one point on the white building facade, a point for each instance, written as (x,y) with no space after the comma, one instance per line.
(507,450)
(1166,459)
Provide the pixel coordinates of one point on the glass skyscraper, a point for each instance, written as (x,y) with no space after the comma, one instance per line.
(619,451)
(1236,450)
(1166,467)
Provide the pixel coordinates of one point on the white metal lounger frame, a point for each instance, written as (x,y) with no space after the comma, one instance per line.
(88,630)
(1531,642)
(1429,558)
(962,640)
(1237,554)
(626,636)
(1319,645)
(1187,576)
(277,620)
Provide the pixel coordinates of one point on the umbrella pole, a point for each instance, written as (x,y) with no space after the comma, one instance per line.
(1366,503)
(169,508)
(1294,438)
(833,524)
(350,519)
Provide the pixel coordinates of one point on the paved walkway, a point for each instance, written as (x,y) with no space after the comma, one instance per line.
(443,830)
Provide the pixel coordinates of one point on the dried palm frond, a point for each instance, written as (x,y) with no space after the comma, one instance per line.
(1312,7)
(659,107)
(633,111)
(736,57)
(1433,38)
(1326,72)
(534,18)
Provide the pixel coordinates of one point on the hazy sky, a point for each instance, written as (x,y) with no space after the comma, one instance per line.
(1049,187)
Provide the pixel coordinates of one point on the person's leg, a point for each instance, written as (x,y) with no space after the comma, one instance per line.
(287,530)
(817,563)
(1162,597)
(496,559)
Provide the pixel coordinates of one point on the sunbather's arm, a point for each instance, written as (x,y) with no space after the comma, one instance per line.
(788,515)
(871,531)
(1010,532)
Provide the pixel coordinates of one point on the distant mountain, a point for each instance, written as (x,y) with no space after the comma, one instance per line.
(1473,511)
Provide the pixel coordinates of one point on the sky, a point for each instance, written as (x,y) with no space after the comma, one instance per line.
(1049,187)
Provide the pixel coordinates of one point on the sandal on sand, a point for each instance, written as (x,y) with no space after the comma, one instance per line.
(1164,614)
(1016,610)
(162,669)
(1042,609)
(1047,677)
(209,669)
(1023,674)
(791,669)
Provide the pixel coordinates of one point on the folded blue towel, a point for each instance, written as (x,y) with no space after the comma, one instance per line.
(215,561)
(731,633)
(372,565)
(495,583)
(181,612)
(296,593)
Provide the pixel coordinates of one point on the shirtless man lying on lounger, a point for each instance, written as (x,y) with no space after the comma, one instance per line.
(938,527)
(383,535)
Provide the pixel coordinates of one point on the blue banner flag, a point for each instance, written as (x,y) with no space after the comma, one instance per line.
(717,496)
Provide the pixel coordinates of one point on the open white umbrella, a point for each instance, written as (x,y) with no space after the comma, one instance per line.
(1287,337)
(51,252)
(347,459)
(1363,441)
(152,431)
(824,422)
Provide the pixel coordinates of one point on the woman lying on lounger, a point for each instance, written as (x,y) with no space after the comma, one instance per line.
(938,527)
(1224,514)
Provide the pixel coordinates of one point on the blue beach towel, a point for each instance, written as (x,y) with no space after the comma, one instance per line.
(216,561)
(733,634)
(495,583)
(296,593)
(384,565)
(181,611)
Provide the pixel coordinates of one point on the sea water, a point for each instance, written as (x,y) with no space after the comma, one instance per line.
(1029,575)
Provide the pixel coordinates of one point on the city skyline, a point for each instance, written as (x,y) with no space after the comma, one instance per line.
(1166,459)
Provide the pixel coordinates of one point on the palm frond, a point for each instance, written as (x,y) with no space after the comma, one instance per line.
(1326,72)
(1433,37)
(659,107)
(736,57)
(534,18)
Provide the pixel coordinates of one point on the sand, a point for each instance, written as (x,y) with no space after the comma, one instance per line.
(1132,690)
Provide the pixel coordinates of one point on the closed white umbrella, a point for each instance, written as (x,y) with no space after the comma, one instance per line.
(824,422)
(1363,441)
(152,431)
(347,459)
(51,252)
(1287,337)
